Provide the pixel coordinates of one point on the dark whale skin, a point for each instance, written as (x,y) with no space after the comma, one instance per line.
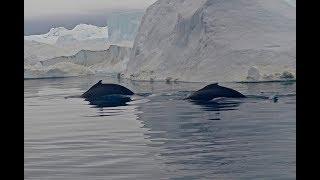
(212,91)
(99,90)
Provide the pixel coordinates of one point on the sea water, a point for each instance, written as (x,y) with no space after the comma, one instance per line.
(158,135)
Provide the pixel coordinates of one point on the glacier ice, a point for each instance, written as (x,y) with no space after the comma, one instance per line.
(80,32)
(215,40)
(123,26)
(253,74)
(112,60)
(81,51)
(85,62)
(36,51)
(63,69)
(83,36)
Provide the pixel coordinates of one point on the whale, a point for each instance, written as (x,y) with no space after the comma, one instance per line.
(100,90)
(212,91)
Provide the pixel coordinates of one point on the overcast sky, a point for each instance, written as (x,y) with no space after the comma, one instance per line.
(40,14)
(40,8)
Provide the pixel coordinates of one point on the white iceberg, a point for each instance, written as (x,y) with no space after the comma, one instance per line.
(63,69)
(213,40)
(80,33)
(111,61)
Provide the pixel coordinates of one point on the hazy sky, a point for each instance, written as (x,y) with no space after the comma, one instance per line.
(41,15)
(40,8)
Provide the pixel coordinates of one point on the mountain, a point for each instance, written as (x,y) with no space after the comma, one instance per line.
(216,40)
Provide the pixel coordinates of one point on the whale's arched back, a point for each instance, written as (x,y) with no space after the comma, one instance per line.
(99,90)
(212,91)
(213,85)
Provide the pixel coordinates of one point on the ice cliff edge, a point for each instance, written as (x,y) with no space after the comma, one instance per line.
(215,40)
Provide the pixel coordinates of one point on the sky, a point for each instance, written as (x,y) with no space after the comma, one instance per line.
(41,15)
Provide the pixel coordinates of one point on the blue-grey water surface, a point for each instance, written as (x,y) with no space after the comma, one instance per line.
(158,135)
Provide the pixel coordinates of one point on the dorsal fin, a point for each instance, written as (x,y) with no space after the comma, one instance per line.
(98,83)
(211,86)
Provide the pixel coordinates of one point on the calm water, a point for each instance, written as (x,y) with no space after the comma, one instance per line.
(158,135)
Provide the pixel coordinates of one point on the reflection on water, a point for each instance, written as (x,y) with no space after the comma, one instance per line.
(156,134)
(217,106)
(110,101)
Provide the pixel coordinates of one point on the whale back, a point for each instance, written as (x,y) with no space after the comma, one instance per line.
(99,90)
(210,86)
(212,91)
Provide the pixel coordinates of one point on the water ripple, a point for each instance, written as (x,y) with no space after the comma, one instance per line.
(157,134)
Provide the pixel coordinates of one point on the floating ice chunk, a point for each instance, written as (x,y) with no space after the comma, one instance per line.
(253,74)
(287,75)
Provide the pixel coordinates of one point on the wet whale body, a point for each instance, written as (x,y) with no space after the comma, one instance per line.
(107,95)
(212,91)
(101,90)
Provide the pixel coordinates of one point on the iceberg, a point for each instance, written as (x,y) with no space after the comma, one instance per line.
(111,61)
(84,50)
(63,69)
(123,26)
(80,33)
(215,41)
(83,36)
(36,51)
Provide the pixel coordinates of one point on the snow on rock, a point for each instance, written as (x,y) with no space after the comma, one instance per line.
(216,40)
